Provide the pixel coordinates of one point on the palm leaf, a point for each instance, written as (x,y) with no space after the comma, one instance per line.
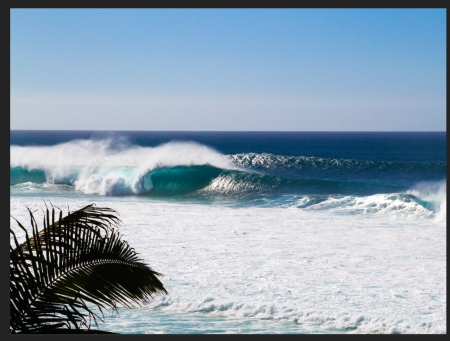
(73,264)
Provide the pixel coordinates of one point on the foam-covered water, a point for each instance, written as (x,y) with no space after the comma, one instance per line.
(276,270)
(259,242)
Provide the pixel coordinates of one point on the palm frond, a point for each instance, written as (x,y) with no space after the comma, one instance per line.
(74,263)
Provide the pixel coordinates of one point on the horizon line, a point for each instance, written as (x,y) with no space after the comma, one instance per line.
(245,131)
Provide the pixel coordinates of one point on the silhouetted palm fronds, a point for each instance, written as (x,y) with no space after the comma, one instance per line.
(73,264)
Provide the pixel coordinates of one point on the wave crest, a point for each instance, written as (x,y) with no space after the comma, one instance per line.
(106,167)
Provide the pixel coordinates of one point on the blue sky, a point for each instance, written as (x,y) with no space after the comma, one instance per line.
(229,69)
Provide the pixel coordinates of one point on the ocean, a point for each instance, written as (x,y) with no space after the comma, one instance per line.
(260,232)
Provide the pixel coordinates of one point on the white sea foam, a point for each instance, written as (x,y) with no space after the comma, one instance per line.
(278,269)
(394,205)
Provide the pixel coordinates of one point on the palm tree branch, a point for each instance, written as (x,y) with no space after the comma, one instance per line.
(72,264)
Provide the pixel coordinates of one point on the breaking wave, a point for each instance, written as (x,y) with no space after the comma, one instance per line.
(107,167)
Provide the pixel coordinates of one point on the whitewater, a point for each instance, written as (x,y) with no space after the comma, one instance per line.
(257,240)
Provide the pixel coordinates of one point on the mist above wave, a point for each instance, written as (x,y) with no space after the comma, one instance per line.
(116,153)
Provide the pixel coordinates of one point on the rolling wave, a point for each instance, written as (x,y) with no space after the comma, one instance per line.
(188,168)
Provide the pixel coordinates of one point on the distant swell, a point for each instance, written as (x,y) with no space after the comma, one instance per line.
(340,169)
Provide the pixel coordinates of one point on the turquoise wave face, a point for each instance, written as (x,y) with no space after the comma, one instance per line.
(182,180)
(20,175)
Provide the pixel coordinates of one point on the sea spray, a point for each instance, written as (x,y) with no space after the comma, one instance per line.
(436,194)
